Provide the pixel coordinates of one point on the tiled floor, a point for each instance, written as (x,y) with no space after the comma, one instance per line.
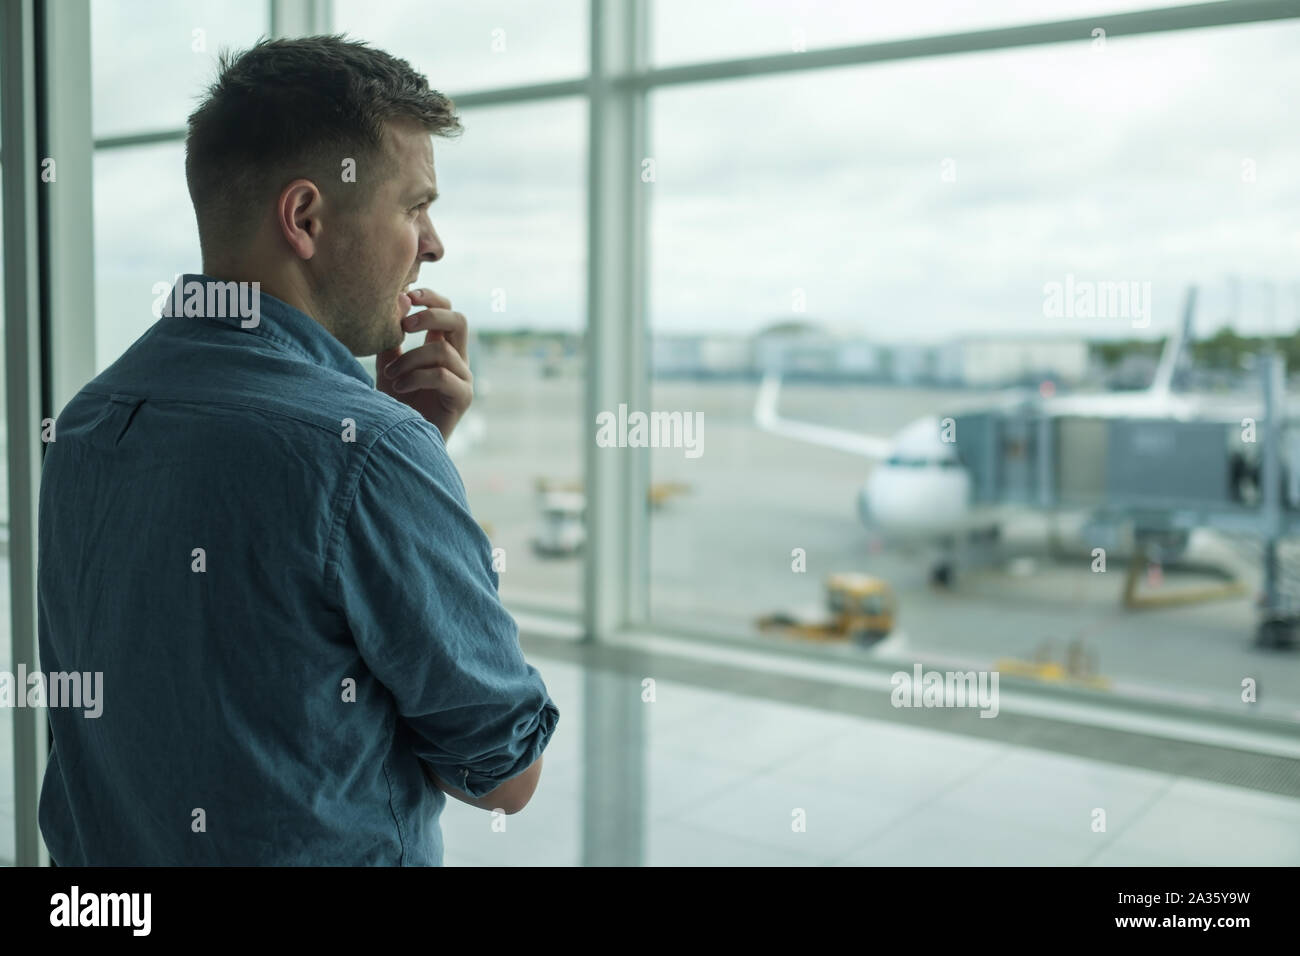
(728,779)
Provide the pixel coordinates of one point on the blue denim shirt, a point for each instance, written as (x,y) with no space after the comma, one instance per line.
(275,569)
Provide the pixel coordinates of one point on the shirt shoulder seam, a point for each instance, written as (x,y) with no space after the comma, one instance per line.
(227,403)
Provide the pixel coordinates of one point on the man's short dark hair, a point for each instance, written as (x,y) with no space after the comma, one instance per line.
(297,107)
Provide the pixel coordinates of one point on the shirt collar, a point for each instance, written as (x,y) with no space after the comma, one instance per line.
(271,318)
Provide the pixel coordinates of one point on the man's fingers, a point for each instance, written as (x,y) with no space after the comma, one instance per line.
(437,353)
(427,297)
(451,324)
(442,380)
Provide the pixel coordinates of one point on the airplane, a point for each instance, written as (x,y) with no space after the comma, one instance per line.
(919,492)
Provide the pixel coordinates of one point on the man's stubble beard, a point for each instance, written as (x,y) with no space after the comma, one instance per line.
(359,315)
(361,318)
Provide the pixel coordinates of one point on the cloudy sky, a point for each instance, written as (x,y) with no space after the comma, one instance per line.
(920,200)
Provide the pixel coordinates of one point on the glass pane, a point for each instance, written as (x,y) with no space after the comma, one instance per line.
(907,212)
(152,59)
(513,223)
(6,622)
(685,31)
(483,45)
(144,234)
(513,226)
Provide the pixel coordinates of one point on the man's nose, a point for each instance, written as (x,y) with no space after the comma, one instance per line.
(431,249)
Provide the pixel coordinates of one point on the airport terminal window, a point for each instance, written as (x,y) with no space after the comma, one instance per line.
(488,44)
(513,220)
(848,226)
(685,31)
(150,58)
(144,223)
(144,234)
(6,622)
(960,188)
(513,224)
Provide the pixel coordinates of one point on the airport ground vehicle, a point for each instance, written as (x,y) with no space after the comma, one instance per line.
(863,609)
(1079,666)
(562,531)
(561,504)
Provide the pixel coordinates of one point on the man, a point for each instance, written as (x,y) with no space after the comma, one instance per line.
(270,560)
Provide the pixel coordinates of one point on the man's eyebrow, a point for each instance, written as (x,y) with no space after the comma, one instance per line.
(429,196)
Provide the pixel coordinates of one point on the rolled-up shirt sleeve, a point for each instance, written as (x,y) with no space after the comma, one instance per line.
(416,582)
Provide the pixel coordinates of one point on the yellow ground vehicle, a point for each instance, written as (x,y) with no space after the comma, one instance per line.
(862,608)
(1079,666)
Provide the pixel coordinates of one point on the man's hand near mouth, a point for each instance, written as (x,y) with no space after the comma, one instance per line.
(434,378)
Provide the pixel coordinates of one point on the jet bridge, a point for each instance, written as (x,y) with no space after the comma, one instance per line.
(1236,470)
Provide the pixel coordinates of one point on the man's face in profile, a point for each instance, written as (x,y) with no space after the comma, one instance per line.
(379,245)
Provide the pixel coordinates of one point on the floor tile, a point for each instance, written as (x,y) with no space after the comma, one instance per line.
(763,809)
(752,735)
(1053,793)
(1210,824)
(880,759)
(676,844)
(951,838)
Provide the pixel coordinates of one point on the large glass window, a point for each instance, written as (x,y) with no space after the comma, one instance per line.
(151,58)
(6,620)
(855,226)
(512,220)
(144,234)
(144,222)
(880,235)
(487,44)
(685,31)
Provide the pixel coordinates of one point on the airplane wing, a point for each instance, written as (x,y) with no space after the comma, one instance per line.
(766,418)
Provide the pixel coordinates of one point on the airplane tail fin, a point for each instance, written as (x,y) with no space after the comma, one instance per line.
(1179,342)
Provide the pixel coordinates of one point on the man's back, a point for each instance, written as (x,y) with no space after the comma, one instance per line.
(275,570)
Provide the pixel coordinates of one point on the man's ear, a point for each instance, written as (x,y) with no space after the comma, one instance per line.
(297,215)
